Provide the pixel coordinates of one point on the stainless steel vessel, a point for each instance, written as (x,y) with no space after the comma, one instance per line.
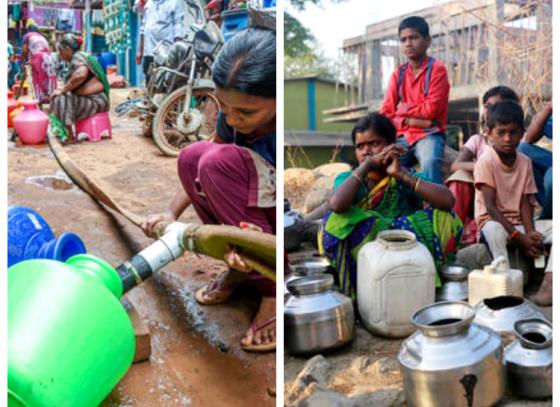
(528,360)
(501,313)
(455,286)
(306,266)
(316,318)
(449,361)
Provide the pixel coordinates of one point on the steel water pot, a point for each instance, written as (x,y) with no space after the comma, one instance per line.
(306,266)
(316,318)
(501,313)
(449,361)
(455,286)
(528,360)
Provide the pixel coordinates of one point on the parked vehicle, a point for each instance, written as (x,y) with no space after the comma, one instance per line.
(190,112)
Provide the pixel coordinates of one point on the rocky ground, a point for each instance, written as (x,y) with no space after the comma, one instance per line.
(196,359)
(366,372)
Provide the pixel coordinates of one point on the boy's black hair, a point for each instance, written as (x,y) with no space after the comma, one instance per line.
(416,23)
(506,112)
(378,124)
(504,92)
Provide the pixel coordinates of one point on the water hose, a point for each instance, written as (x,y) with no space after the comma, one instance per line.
(257,249)
(86,183)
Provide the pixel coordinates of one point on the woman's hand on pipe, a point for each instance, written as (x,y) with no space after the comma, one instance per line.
(151,221)
(232,256)
(234,259)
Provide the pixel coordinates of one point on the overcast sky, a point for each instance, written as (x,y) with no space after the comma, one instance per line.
(333,23)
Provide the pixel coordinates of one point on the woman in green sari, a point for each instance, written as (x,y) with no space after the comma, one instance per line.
(85,91)
(380,194)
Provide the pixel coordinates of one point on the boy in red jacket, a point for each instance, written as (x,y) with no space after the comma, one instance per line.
(417,99)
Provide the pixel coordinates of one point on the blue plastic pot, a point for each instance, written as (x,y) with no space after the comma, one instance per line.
(108,58)
(62,248)
(31,237)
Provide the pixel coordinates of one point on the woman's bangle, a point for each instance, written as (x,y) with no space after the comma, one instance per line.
(417,184)
(359,178)
(513,234)
(408,178)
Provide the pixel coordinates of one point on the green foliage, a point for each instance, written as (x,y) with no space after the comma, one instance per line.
(297,38)
(302,57)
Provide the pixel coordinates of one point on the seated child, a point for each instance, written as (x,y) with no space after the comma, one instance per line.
(461,181)
(504,183)
(417,98)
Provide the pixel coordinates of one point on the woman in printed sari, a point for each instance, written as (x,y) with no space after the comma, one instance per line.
(231,180)
(380,194)
(85,91)
(36,49)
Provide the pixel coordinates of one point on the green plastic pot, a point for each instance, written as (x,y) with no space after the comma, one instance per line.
(70,340)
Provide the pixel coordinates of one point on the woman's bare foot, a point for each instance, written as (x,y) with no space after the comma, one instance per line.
(221,288)
(261,336)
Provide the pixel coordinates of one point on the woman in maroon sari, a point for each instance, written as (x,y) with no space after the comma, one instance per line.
(232,180)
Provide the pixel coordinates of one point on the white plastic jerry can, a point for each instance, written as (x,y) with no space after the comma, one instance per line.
(396,277)
(494,280)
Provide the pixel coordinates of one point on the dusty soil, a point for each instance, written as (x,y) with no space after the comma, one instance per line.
(196,359)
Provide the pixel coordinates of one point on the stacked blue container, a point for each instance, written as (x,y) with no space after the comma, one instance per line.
(31,237)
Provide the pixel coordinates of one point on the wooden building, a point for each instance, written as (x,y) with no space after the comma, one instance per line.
(483,43)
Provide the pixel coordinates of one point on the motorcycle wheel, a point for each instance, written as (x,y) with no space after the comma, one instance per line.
(169,139)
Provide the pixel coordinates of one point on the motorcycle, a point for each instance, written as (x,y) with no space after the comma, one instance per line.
(170,69)
(189,113)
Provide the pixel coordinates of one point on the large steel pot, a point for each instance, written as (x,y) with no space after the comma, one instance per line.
(449,361)
(501,313)
(528,360)
(455,286)
(316,318)
(306,266)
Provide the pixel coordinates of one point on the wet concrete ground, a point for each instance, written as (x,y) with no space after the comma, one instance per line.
(196,359)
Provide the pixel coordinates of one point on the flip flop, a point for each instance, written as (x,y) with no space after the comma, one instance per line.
(213,286)
(265,347)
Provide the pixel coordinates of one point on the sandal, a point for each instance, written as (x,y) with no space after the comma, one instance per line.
(214,286)
(263,347)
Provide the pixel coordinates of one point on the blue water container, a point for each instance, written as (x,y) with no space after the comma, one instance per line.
(31,237)
(108,58)
(234,21)
(100,61)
